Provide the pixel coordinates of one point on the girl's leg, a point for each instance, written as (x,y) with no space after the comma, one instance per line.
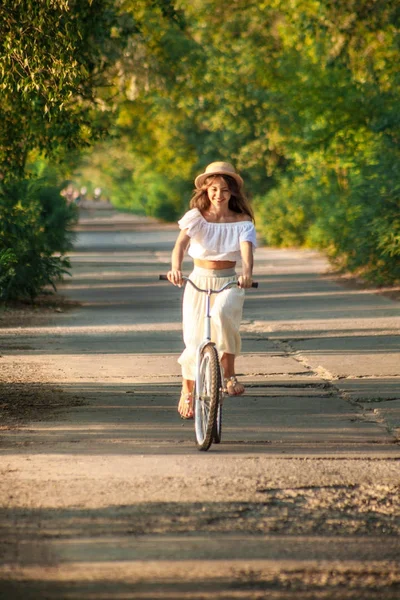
(233,386)
(187,386)
(227,313)
(192,321)
(185,406)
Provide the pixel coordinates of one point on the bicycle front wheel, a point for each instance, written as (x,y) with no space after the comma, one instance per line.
(206,401)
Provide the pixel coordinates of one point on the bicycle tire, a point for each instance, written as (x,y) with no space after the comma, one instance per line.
(218,421)
(206,399)
(217,435)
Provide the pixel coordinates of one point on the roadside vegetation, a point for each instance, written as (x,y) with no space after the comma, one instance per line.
(137,96)
(55,60)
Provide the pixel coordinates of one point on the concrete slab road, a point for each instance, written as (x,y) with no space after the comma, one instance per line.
(106,496)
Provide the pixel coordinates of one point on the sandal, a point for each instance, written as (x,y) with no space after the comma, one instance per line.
(185,406)
(230,384)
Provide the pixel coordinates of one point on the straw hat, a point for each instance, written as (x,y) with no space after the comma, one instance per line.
(218,168)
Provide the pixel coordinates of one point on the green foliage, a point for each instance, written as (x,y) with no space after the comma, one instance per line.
(161,197)
(369,241)
(301,96)
(287,212)
(55,56)
(131,183)
(35,224)
(58,63)
(355,218)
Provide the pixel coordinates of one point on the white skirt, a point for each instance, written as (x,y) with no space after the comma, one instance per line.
(226,315)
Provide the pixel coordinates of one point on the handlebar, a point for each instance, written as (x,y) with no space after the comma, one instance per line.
(224,287)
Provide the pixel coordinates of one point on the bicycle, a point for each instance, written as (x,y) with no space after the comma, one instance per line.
(208,393)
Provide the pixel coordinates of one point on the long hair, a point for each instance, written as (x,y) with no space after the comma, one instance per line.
(238,202)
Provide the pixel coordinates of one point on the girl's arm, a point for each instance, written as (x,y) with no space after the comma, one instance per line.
(246,279)
(181,245)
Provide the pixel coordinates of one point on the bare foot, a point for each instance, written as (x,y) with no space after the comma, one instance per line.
(233,387)
(185,406)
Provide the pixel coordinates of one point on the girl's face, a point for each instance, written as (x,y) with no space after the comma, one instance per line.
(218,192)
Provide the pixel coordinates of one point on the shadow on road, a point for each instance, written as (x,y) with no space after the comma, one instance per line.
(283,417)
(177,549)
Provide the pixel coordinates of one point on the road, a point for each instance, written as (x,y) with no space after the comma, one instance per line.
(106,496)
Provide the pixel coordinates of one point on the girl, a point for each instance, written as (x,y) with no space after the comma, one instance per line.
(218,232)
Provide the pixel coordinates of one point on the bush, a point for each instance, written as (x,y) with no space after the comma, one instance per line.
(287,213)
(150,193)
(361,226)
(35,224)
(356,223)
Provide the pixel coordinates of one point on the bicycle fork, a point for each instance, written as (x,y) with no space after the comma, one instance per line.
(207,337)
(207,340)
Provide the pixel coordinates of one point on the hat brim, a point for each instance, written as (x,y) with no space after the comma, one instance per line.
(200,179)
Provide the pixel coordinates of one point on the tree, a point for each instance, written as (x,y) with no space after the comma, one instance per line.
(56,75)
(57,67)
(302,96)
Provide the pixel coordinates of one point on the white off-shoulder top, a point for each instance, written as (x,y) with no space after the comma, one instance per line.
(216,241)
